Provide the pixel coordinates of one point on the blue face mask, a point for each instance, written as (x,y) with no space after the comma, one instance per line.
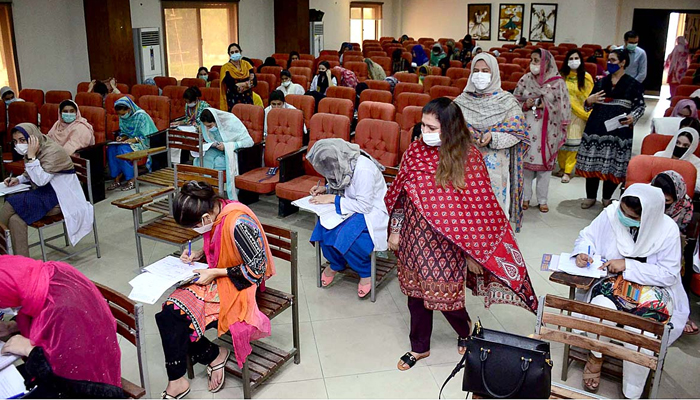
(69,117)
(236,56)
(214,130)
(612,68)
(125,116)
(627,221)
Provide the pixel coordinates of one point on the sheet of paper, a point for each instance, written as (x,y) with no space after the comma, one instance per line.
(205,146)
(6,359)
(172,268)
(187,128)
(4,189)
(614,123)
(326,212)
(11,382)
(568,264)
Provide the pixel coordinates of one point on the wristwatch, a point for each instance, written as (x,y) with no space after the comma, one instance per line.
(31,159)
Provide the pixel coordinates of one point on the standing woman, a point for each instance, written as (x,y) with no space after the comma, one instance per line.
(580,84)
(223,296)
(437,256)
(496,122)
(71,130)
(677,64)
(236,80)
(545,101)
(603,155)
(135,125)
(355,185)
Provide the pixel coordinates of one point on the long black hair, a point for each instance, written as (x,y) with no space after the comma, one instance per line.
(580,72)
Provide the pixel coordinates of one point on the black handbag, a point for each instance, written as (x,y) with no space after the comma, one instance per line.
(503,365)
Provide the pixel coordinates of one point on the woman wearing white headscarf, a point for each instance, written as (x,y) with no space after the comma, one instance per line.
(643,247)
(223,133)
(497,123)
(682,147)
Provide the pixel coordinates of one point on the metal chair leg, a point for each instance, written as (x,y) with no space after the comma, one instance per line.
(318,264)
(41,244)
(373,293)
(97,240)
(139,250)
(65,234)
(246,381)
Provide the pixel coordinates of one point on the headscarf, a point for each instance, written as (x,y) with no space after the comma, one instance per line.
(677,61)
(435,58)
(467,44)
(419,55)
(74,136)
(137,124)
(347,77)
(471,219)
(681,210)
(474,49)
(655,228)
(689,154)
(52,157)
(375,71)
(685,103)
(64,314)
(551,88)
(4,90)
(336,159)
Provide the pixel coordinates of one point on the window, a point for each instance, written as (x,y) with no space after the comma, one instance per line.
(8,71)
(197,34)
(365,21)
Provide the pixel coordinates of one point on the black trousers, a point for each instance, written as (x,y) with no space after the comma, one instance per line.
(592,185)
(175,334)
(422,324)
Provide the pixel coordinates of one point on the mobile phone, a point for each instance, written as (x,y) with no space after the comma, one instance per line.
(622,119)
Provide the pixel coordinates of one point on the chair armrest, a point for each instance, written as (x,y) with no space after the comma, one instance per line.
(250,158)
(137,200)
(292,165)
(137,155)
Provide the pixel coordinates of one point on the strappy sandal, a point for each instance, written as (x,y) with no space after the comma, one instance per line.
(409,360)
(693,331)
(589,374)
(217,367)
(128,186)
(325,279)
(543,208)
(526,205)
(364,290)
(165,395)
(566,178)
(114,185)
(462,345)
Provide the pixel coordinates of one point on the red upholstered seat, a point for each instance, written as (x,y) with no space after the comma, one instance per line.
(376,110)
(88,99)
(57,96)
(353,58)
(305,103)
(263,90)
(410,99)
(686,90)
(443,91)
(460,83)
(163,81)
(379,85)
(376,53)
(509,86)
(381,96)
(508,69)
(96,116)
(144,90)
(22,111)
(187,82)
(158,107)
(297,188)
(49,116)
(211,95)
(359,68)
(523,62)
(269,78)
(592,69)
(301,80)
(331,105)
(177,102)
(455,73)
(215,68)
(215,75)
(123,88)
(305,63)
(82,87)
(654,142)
(515,76)
(435,80)
(253,117)
(112,122)
(403,87)
(380,139)
(270,70)
(304,71)
(342,92)
(35,96)
(643,168)
(384,61)
(409,118)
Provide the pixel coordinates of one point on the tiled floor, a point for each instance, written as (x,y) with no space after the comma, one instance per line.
(349,347)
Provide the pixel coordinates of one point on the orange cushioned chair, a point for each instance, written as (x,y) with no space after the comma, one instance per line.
(385,62)
(253,117)
(301,80)
(376,110)
(686,90)
(285,132)
(177,102)
(410,99)
(57,96)
(83,87)
(304,71)
(592,69)
(297,175)
(643,168)
(123,88)
(444,91)
(376,53)
(381,96)
(460,83)
(263,90)
(359,68)
(409,118)
(158,107)
(508,69)
(88,99)
(305,103)
(187,82)
(35,96)
(143,90)
(342,92)
(49,116)
(402,87)
(304,63)
(275,71)
(380,139)
(379,85)
(163,81)
(96,116)
(112,121)
(523,62)
(654,142)
(22,111)
(515,76)
(211,96)
(352,58)
(331,105)
(509,86)
(455,73)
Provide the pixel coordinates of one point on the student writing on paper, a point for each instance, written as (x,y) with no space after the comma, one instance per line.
(223,297)
(642,246)
(355,185)
(194,106)
(64,328)
(48,166)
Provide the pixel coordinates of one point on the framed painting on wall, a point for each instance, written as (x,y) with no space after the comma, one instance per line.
(510,21)
(543,22)
(479,21)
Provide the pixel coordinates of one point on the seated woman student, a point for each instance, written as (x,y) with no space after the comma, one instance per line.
(71,130)
(103,89)
(375,71)
(64,330)
(223,297)
(422,73)
(682,147)
(194,106)
(321,82)
(203,73)
(48,168)
(293,56)
(269,62)
(224,133)
(419,57)
(135,125)
(355,184)
(642,247)
(237,80)
(398,63)
(685,108)
(287,86)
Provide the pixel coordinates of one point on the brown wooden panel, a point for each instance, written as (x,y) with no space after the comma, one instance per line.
(132,390)
(277,231)
(281,243)
(292,26)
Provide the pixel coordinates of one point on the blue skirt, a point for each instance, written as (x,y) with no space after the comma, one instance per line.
(33,205)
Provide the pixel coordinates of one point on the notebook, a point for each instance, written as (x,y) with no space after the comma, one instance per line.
(5,190)
(327,215)
(161,276)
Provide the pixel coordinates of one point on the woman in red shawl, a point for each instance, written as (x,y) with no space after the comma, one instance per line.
(64,329)
(448,228)
(677,64)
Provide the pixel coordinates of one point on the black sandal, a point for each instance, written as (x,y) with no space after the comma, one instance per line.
(165,395)
(408,359)
(462,344)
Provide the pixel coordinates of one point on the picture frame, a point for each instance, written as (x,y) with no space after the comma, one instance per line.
(543,22)
(479,21)
(510,21)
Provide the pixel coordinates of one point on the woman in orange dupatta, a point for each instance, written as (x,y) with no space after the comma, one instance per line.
(223,296)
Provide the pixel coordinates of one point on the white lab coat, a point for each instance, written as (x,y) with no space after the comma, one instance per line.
(77,211)
(365,195)
(267,111)
(294,88)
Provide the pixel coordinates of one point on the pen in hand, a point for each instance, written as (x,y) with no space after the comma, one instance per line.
(189,250)
(588,261)
(318,185)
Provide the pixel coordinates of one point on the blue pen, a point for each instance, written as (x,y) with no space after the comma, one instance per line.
(189,248)
(588,262)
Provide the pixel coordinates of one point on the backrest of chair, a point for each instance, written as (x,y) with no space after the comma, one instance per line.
(406,77)
(382,96)
(643,168)
(284,245)
(352,58)
(88,99)
(35,96)
(376,53)
(456,73)
(143,90)
(384,62)
(184,140)
(305,103)
(686,90)
(82,172)
(654,142)
(378,85)
(409,118)
(285,133)
(331,105)
(177,102)
(49,116)
(163,81)
(304,71)
(592,69)
(435,80)
(185,173)
(303,63)
(380,139)
(22,111)
(112,123)
(96,116)
(123,88)
(523,62)
(324,126)
(269,78)
(211,95)
(403,87)
(443,91)
(301,80)
(215,68)
(158,107)
(515,76)
(461,83)
(215,83)
(198,82)
(358,67)
(253,117)
(342,92)
(82,87)
(263,90)
(376,110)
(274,71)
(213,75)
(508,86)
(57,96)
(411,99)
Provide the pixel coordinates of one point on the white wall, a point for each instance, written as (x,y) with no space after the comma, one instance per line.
(256,30)
(51,44)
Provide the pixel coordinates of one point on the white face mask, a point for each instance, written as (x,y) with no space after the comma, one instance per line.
(205,227)
(535,69)
(481,80)
(432,139)
(574,64)
(286,83)
(22,148)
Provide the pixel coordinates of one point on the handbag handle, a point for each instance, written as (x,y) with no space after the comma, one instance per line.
(524,367)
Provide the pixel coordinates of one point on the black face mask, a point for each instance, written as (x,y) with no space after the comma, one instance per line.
(668,206)
(679,151)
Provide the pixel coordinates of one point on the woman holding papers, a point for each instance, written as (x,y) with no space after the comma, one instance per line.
(223,296)
(355,185)
(617,102)
(64,328)
(50,169)
(449,231)
(642,247)
(223,133)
